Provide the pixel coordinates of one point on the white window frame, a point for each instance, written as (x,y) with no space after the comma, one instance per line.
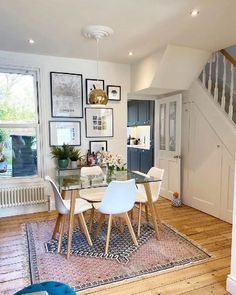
(35,125)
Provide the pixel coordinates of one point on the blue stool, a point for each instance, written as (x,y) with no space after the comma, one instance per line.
(53,288)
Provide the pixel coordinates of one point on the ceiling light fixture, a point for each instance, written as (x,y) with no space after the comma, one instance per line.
(97,96)
(130,53)
(31,41)
(194,12)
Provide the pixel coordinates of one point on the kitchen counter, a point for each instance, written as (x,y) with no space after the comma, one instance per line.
(139,146)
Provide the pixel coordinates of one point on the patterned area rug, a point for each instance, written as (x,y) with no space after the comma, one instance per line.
(90,268)
(121,246)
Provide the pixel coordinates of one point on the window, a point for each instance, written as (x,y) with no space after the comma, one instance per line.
(19,124)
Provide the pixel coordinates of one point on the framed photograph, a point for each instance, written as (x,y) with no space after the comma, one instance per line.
(99,122)
(98,146)
(114,92)
(68,132)
(66,95)
(91,84)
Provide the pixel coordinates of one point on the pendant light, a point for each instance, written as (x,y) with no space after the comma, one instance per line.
(97,96)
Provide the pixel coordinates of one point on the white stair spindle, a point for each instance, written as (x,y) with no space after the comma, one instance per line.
(216,77)
(231,110)
(224,83)
(209,79)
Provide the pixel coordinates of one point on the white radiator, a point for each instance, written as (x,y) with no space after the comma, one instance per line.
(22,195)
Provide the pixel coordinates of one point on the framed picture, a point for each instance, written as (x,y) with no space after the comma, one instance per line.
(91,84)
(99,122)
(98,146)
(68,132)
(114,92)
(66,95)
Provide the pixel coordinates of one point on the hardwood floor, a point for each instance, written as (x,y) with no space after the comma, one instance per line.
(205,278)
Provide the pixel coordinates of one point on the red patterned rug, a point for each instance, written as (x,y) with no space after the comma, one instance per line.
(86,269)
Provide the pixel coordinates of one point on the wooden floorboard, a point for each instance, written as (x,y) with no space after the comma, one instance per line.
(209,232)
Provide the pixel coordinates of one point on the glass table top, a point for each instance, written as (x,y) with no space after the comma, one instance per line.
(75,181)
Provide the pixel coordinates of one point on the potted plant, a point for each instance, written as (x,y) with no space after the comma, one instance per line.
(61,154)
(74,156)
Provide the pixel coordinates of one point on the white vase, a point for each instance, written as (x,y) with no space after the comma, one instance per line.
(74,164)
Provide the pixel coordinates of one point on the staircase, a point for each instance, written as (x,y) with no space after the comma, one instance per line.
(219,78)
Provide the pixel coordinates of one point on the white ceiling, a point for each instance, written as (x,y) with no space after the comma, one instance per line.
(141,26)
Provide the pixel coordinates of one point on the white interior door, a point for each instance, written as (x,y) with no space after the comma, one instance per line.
(168,142)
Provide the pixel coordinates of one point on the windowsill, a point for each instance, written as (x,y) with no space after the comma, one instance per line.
(21,180)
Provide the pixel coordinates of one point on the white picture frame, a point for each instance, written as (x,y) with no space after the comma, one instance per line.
(99,122)
(68,132)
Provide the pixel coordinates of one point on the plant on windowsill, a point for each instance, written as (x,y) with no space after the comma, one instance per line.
(75,156)
(61,154)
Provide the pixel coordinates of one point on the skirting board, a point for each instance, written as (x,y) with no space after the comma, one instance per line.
(231,285)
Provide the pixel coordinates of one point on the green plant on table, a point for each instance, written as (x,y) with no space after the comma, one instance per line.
(75,154)
(60,153)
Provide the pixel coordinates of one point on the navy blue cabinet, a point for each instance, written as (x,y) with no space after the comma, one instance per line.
(140,159)
(132,113)
(140,112)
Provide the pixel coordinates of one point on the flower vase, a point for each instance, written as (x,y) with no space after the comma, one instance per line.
(110,173)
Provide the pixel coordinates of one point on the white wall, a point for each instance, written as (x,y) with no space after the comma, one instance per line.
(112,73)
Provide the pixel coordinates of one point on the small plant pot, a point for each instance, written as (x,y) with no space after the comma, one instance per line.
(3,166)
(63,163)
(74,164)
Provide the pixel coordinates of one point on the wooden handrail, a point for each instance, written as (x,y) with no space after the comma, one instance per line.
(228,57)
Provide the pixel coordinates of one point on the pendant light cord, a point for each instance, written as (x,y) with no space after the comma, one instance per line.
(97,40)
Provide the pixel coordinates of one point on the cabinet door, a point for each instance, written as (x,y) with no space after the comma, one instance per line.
(133,163)
(132,113)
(143,112)
(146,160)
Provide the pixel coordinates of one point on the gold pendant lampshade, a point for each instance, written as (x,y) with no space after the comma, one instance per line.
(97,96)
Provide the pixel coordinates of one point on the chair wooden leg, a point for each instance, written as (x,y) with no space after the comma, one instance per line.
(80,225)
(126,216)
(139,218)
(146,212)
(85,229)
(56,227)
(158,217)
(99,225)
(63,219)
(108,233)
(91,219)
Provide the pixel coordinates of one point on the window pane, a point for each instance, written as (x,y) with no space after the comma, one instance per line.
(18,152)
(172,126)
(162,127)
(17,98)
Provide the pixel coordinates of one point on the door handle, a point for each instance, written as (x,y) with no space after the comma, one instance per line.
(177,157)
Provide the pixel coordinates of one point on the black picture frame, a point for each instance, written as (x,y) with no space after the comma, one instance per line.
(114,88)
(54,79)
(88,88)
(97,141)
(63,124)
(95,117)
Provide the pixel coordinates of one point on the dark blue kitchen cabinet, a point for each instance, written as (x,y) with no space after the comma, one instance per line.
(140,159)
(133,159)
(140,112)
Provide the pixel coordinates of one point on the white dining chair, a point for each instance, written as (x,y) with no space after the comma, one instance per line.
(119,198)
(63,209)
(92,195)
(141,197)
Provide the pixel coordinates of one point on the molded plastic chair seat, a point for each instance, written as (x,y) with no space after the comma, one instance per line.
(52,288)
(93,194)
(80,206)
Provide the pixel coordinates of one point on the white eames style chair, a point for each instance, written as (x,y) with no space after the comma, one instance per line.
(92,195)
(141,196)
(119,198)
(63,209)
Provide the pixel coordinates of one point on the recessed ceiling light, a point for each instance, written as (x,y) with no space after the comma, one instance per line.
(31,41)
(194,12)
(130,53)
